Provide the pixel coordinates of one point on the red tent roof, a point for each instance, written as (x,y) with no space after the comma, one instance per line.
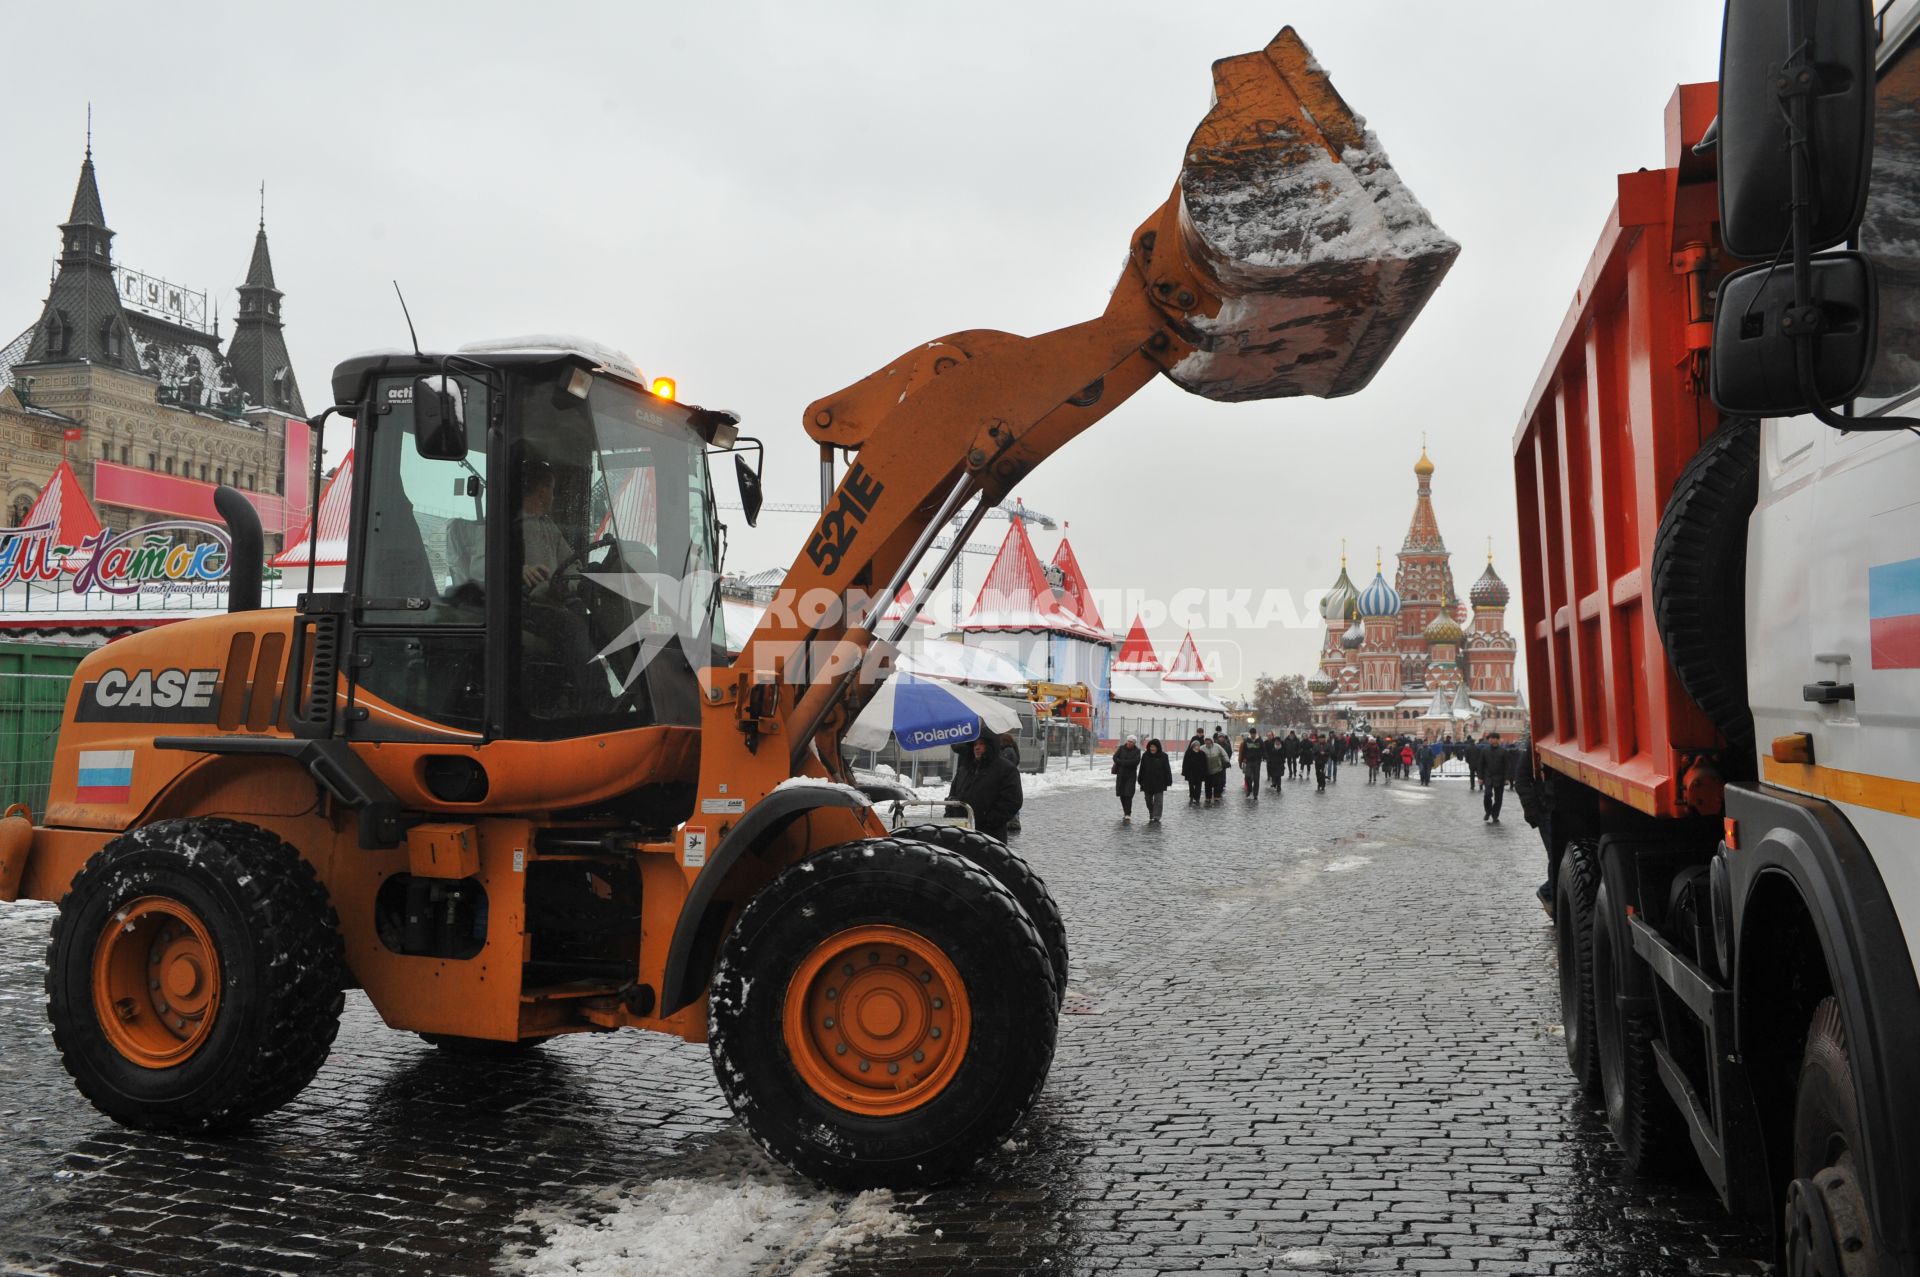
(1018,596)
(336,512)
(64,505)
(1136,654)
(1186,667)
(1076,599)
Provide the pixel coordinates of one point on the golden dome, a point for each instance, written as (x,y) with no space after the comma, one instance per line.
(1424,466)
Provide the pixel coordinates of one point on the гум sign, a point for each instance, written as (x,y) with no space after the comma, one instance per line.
(151,557)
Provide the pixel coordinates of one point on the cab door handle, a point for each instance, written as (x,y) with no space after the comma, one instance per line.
(1826,692)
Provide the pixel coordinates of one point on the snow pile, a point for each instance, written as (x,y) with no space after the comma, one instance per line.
(1346,863)
(680,1226)
(1299,206)
(1035,784)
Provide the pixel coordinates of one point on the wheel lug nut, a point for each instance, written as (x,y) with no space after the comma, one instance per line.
(832,994)
(872,959)
(829,1022)
(926,977)
(893,1068)
(919,1057)
(839,1048)
(864,1066)
(934,1032)
(937,1004)
(900,961)
(847,968)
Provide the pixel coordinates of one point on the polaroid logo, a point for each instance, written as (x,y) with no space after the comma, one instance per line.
(942,735)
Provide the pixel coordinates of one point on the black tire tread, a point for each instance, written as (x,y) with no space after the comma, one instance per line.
(1699,577)
(1017,876)
(1025,958)
(1579,881)
(1648,1130)
(296,936)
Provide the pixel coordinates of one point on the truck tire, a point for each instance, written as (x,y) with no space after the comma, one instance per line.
(947,996)
(1639,1111)
(194,975)
(1575,886)
(1829,1228)
(1017,876)
(1699,578)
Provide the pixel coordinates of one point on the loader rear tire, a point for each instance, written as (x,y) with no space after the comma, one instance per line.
(1017,876)
(907,959)
(1699,578)
(1575,886)
(194,976)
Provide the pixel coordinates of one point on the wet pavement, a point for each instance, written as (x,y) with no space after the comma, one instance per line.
(1317,1034)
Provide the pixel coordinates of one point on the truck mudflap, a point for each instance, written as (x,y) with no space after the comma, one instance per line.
(1724,1125)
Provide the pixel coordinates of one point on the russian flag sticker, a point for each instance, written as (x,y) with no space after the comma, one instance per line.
(106,776)
(1893,612)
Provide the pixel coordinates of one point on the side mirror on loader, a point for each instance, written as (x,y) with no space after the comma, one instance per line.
(1794,147)
(439,419)
(750,493)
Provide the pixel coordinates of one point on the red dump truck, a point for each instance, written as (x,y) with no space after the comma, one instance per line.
(1720,558)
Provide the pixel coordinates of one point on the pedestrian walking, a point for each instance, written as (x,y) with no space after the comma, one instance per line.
(1425,761)
(1218,759)
(1292,747)
(1334,750)
(991,787)
(1250,757)
(1471,752)
(1406,758)
(1125,769)
(1493,778)
(1193,768)
(1371,753)
(1320,750)
(1156,778)
(1274,754)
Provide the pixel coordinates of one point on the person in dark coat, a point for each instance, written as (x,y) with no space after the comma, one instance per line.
(1250,760)
(1371,752)
(1156,778)
(1335,749)
(1493,778)
(991,786)
(1471,752)
(1125,769)
(1274,755)
(1424,758)
(1319,750)
(1193,768)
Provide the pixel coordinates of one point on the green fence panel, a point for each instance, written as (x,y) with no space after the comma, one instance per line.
(33,694)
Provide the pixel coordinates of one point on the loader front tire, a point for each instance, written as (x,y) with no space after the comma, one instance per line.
(882,1015)
(1017,876)
(194,976)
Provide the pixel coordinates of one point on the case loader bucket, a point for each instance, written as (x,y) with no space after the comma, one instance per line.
(1290,216)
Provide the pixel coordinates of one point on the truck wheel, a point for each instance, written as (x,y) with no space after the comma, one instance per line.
(1574,889)
(1699,578)
(1639,1112)
(1017,876)
(194,975)
(882,1015)
(1829,1226)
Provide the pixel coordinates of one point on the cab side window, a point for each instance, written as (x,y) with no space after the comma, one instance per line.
(1890,234)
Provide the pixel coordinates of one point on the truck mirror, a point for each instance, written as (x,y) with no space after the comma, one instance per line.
(750,493)
(439,419)
(1755,373)
(1761,78)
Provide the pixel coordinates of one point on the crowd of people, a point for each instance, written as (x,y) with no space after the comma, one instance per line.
(1271,760)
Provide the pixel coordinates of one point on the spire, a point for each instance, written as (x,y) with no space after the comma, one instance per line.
(258,352)
(1076,596)
(82,320)
(1423,530)
(1136,654)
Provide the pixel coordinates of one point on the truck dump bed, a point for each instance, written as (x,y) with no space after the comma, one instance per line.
(1617,411)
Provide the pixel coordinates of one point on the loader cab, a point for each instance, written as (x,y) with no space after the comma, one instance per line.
(534,551)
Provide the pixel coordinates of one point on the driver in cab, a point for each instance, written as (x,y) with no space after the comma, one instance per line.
(543,547)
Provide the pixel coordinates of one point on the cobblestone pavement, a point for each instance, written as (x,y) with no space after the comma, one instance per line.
(1313,1035)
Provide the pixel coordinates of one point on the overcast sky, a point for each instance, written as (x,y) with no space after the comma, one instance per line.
(768,201)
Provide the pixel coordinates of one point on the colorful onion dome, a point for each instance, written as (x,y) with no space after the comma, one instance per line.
(1338,604)
(1320,684)
(1443,629)
(1379,598)
(1355,635)
(1424,466)
(1489,590)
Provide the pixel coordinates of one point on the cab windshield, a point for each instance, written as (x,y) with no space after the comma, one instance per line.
(615,557)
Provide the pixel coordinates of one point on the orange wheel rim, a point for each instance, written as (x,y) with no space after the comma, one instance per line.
(156,982)
(877,1020)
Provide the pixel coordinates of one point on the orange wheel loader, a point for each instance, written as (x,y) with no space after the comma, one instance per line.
(507,784)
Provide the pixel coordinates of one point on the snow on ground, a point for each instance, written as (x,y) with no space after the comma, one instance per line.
(683,1226)
(1344,863)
